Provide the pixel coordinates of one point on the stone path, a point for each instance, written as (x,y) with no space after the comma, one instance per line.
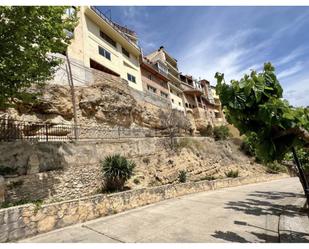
(247,213)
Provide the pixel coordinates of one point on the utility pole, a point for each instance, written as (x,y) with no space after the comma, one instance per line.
(71,84)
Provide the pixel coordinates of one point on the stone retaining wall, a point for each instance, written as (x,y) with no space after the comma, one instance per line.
(56,171)
(28,220)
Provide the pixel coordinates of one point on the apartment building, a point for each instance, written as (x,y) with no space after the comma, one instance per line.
(164,60)
(219,117)
(106,46)
(155,78)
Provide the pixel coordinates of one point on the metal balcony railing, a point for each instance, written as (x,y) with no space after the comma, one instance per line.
(115,26)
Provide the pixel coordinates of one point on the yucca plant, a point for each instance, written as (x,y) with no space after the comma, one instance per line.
(116,171)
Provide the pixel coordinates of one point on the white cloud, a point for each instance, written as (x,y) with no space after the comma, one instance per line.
(221,49)
(291,70)
(291,56)
(296,89)
(130,12)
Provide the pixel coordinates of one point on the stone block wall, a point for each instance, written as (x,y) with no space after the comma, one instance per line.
(28,220)
(66,170)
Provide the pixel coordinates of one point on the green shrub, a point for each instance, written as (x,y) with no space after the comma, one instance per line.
(208,178)
(4,170)
(136,181)
(275,168)
(189,143)
(116,171)
(206,132)
(247,146)
(146,160)
(182,176)
(303,156)
(232,173)
(37,203)
(221,132)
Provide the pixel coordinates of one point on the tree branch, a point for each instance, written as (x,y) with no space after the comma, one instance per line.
(300,132)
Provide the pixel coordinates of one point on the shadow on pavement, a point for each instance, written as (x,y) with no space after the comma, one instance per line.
(296,237)
(230,236)
(262,203)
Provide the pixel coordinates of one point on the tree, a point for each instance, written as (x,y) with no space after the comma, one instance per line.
(254,105)
(174,121)
(28,37)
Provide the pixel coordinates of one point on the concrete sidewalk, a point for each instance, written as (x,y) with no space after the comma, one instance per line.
(247,213)
(295,228)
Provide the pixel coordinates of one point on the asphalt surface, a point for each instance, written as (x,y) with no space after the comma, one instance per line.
(248,213)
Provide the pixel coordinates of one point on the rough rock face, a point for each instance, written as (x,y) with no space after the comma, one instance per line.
(201,158)
(107,103)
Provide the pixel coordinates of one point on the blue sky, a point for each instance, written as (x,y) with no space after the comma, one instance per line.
(231,40)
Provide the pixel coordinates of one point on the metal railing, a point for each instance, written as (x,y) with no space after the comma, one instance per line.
(12,130)
(115,26)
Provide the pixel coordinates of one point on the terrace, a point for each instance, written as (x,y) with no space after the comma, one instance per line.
(118,28)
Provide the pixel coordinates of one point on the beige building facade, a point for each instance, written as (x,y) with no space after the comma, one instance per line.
(168,64)
(153,80)
(106,46)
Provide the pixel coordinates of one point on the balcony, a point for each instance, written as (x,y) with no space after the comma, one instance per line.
(161,69)
(114,26)
(174,78)
(174,69)
(191,90)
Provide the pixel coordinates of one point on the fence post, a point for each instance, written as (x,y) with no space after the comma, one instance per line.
(118,132)
(46,131)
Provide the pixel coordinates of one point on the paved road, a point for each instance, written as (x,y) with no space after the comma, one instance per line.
(241,214)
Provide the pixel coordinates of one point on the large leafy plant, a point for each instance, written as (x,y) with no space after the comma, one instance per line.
(254,105)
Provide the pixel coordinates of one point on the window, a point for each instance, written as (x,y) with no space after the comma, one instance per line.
(173,100)
(187,105)
(125,52)
(179,103)
(104,53)
(107,38)
(151,89)
(165,95)
(131,78)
